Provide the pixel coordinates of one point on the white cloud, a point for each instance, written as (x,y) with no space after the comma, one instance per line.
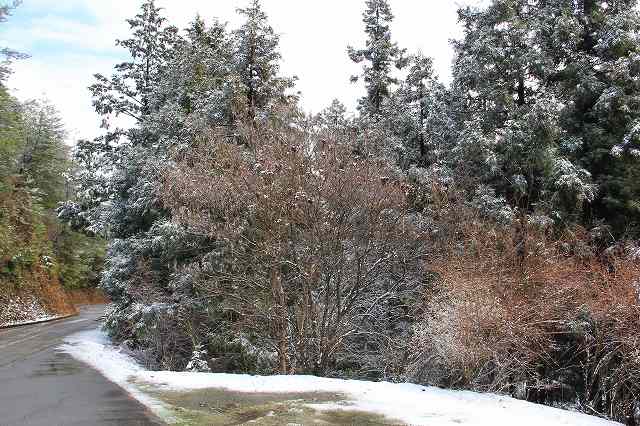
(67,32)
(65,84)
(313,43)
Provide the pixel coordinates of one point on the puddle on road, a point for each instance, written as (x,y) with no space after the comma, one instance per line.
(219,407)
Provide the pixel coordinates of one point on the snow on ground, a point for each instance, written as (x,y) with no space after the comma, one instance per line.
(93,347)
(33,321)
(413,404)
(22,311)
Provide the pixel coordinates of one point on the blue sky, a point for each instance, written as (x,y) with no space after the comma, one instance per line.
(70,40)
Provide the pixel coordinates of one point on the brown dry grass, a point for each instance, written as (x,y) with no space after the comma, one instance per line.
(517,310)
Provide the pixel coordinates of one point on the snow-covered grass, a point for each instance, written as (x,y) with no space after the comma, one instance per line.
(413,404)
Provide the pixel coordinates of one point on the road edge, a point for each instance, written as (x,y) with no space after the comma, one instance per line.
(6,327)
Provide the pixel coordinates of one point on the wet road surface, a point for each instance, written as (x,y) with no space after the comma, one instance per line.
(40,386)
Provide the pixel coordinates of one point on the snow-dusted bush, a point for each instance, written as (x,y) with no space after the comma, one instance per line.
(315,258)
(198,362)
(539,318)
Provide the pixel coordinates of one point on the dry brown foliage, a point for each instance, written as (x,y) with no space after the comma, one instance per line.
(520,311)
(315,245)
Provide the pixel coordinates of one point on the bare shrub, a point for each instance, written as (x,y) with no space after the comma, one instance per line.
(318,259)
(518,310)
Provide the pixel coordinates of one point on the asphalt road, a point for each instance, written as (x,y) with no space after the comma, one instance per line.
(40,386)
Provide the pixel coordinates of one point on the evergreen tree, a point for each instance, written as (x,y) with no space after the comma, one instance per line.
(593,49)
(508,105)
(334,115)
(128,91)
(33,167)
(197,90)
(556,82)
(43,159)
(11,130)
(177,89)
(120,199)
(257,62)
(380,54)
(419,113)
(119,173)
(10,117)
(332,125)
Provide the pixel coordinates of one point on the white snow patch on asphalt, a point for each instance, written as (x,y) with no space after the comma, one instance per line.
(413,404)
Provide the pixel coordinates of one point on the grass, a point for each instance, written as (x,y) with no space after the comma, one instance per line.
(219,407)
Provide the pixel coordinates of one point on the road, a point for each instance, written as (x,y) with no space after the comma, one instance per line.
(40,386)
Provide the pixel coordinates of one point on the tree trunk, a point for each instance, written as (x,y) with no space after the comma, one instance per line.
(521,91)
(588,8)
(280,321)
(423,114)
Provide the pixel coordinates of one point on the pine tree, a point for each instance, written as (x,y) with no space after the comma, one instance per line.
(119,173)
(418,112)
(197,90)
(334,115)
(379,55)
(568,69)
(593,48)
(332,125)
(191,91)
(123,203)
(257,62)
(128,91)
(507,103)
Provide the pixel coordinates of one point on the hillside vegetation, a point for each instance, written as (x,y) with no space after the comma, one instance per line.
(41,259)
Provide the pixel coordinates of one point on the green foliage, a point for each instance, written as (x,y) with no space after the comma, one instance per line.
(23,234)
(379,55)
(236,356)
(553,87)
(11,140)
(80,258)
(540,128)
(33,166)
(257,63)
(43,159)
(204,78)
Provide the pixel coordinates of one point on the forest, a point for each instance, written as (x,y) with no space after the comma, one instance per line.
(478,235)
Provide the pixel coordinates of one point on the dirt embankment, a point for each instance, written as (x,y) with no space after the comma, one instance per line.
(89,296)
(41,298)
(41,260)
(45,300)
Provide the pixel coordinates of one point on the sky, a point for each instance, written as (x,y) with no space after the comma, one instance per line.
(71,40)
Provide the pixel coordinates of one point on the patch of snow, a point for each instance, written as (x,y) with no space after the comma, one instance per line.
(94,348)
(410,403)
(22,311)
(33,321)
